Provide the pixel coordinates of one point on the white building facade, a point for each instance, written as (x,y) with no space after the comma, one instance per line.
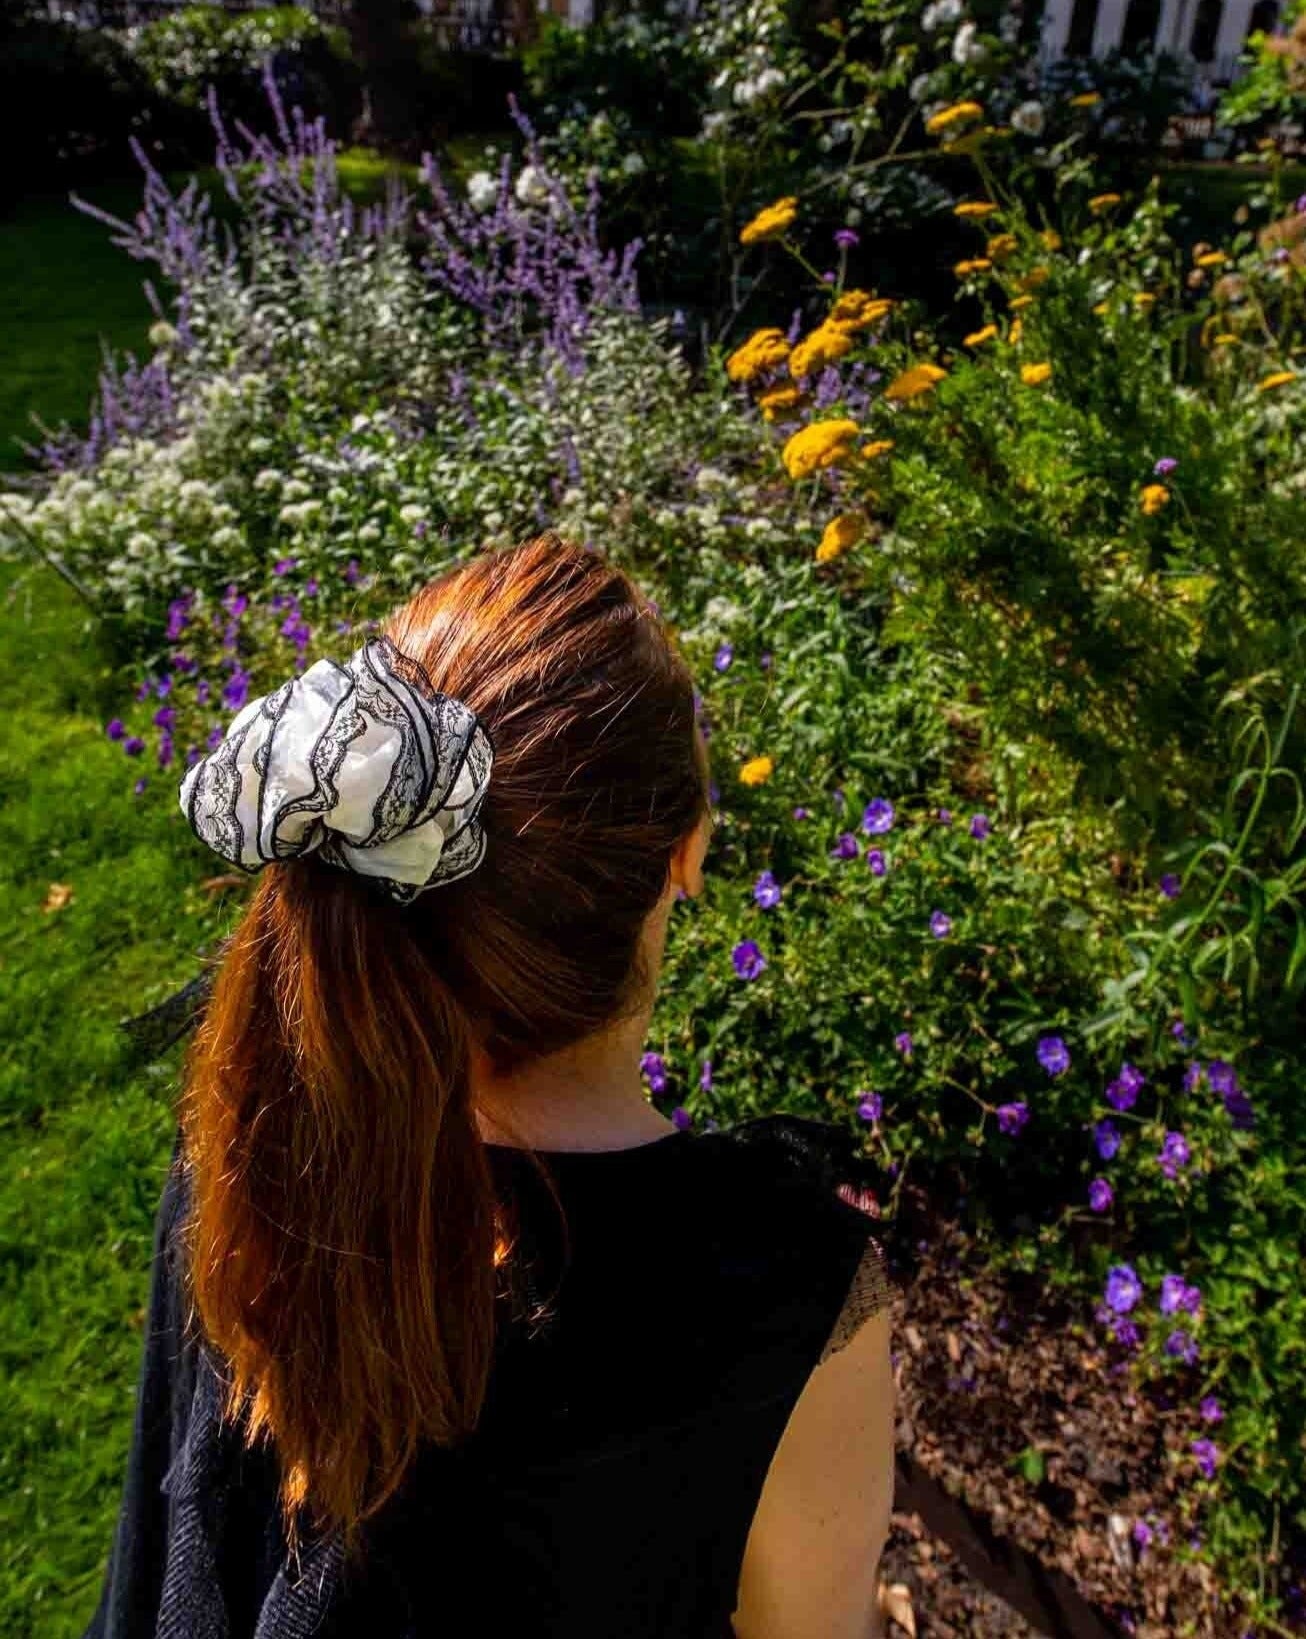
(1211,33)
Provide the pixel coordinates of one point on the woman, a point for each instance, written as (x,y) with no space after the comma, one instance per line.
(450,1330)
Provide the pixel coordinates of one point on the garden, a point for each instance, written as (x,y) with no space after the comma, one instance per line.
(964,452)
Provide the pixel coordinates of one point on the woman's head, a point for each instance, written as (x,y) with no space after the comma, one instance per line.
(344,1229)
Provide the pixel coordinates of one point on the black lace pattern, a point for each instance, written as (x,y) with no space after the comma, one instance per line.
(366,765)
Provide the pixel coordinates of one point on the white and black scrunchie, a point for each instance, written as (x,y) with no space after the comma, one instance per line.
(364,764)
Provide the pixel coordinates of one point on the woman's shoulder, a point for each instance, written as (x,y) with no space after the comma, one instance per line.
(800,1152)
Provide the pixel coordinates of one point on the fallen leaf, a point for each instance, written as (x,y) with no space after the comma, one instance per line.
(914,1339)
(895,1603)
(58,895)
(954,1348)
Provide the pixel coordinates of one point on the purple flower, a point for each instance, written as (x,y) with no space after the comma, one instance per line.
(192,756)
(1174,1154)
(766,891)
(178,610)
(283,566)
(165,751)
(1192,1076)
(1179,1346)
(871,1107)
(724,655)
(216,737)
(1178,1297)
(143,689)
(1123,1288)
(846,238)
(1126,1334)
(352,572)
(163,686)
(875,859)
(235,603)
(184,664)
(1012,1117)
(1165,466)
(705,1077)
(1170,885)
(748,959)
(801,813)
(903,1043)
(764,661)
(940,925)
(979,826)
(1239,1107)
(236,691)
(1222,1077)
(1107,1138)
(1142,1533)
(681,1118)
(878,817)
(202,692)
(1100,1195)
(837,797)
(1211,1410)
(140,785)
(1300,206)
(310,587)
(846,847)
(944,816)
(165,717)
(653,1068)
(1207,1454)
(114,728)
(1182,1034)
(1053,1055)
(1122,1093)
(714,793)
(133,745)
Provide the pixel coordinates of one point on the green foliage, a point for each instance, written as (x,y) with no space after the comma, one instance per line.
(1274,86)
(199,46)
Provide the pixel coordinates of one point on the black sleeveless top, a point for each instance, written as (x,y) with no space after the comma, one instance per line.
(612,1480)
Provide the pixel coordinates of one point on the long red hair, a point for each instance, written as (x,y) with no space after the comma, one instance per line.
(344,1232)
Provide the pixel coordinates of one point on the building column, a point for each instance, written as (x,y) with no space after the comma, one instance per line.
(1176,25)
(1234,25)
(1109,27)
(1056,29)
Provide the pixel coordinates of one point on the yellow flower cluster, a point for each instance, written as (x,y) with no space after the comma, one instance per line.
(1034,375)
(825,344)
(946,118)
(976,264)
(1103,202)
(822,444)
(858,310)
(1051,239)
(1279,378)
(1017,302)
(1086,99)
(757,771)
(1016,332)
(877,446)
(977,338)
(1034,278)
(841,535)
(1212,258)
(1002,244)
(918,379)
(1153,497)
(764,350)
(771,222)
(776,399)
(974,207)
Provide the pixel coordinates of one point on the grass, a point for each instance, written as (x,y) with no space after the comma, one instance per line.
(87,1131)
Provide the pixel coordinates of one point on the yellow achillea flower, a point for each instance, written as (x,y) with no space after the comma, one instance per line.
(776,399)
(974,207)
(1002,244)
(1143,298)
(757,771)
(764,350)
(1103,202)
(977,338)
(1226,338)
(1017,302)
(820,444)
(841,535)
(772,222)
(1102,309)
(826,343)
(1015,333)
(1085,99)
(976,264)
(1153,497)
(1280,378)
(1034,278)
(1212,258)
(856,309)
(1034,375)
(947,117)
(877,446)
(920,378)
(1051,239)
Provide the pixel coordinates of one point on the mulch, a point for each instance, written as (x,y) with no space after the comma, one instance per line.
(991,1367)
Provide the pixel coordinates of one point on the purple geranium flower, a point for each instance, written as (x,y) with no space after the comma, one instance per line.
(140,785)
(1100,1195)
(133,745)
(714,793)
(705,1076)
(871,1107)
(114,728)
(1211,1410)
(1222,1077)
(904,1044)
(1179,1346)
(1174,1155)
(1192,1076)
(1012,1117)
(801,813)
(352,572)
(766,891)
(940,925)
(1123,1288)
(165,751)
(846,238)
(178,611)
(236,690)
(1207,1454)
(979,826)
(1182,1034)
(163,686)
(1170,885)
(1107,1138)
(1122,1094)
(1053,1055)
(653,1068)
(216,737)
(283,566)
(143,689)
(165,717)
(748,959)
(846,847)
(878,817)
(1178,1297)
(1142,1534)
(1165,466)
(1240,1109)
(944,816)
(876,860)
(724,655)
(1126,1334)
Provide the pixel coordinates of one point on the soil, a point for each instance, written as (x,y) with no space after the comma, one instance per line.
(989,1369)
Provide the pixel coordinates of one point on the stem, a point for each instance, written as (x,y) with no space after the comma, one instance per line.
(52,562)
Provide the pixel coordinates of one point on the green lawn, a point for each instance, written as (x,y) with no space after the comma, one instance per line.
(87,1134)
